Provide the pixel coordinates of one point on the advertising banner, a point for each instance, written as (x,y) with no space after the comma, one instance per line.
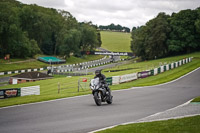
(109,80)
(7,93)
(128,77)
(31,90)
(107,53)
(115,80)
(144,74)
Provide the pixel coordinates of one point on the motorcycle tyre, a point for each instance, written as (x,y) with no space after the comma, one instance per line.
(97,98)
(109,101)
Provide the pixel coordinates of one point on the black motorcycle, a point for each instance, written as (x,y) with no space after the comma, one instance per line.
(99,92)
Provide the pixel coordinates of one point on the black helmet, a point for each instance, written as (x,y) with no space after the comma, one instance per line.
(97,72)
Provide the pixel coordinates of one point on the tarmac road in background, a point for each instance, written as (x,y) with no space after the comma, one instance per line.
(81,115)
(4,79)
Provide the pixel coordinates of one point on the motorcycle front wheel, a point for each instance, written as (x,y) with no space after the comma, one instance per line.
(109,100)
(97,98)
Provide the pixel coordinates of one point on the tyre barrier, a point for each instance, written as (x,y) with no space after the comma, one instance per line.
(134,76)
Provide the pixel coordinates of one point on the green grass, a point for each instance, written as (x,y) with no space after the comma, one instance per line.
(196,99)
(116,41)
(49,88)
(184,125)
(37,64)
(160,78)
(73,60)
(147,65)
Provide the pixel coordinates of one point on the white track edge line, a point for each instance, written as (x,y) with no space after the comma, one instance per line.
(140,120)
(162,83)
(90,94)
(44,101)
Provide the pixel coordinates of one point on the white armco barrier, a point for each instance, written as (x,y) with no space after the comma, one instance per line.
(161,69)
(183,61)
(155,71)
(186,60)
(180,62)
(128,77)
(32,90)
(172,65)
(115,80)
(167,67)
(190,59)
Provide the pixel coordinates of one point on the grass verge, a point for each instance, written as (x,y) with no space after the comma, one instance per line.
(196,99)
(184,125)
(49,88)
(160,78)
(37,64)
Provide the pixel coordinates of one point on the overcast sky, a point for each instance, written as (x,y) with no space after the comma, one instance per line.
(127,13)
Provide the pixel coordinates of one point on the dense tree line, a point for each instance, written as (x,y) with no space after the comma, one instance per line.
(113,27)
(26,30)
(167,35)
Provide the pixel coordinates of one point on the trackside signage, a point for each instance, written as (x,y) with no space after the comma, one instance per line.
(7,93)
(31,90)
(111,53)
(144,74)
(128,77)
(15,92)
(107,53)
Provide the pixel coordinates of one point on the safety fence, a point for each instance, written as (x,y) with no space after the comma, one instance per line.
(72,74)
(15,92)
(67,68)
(130,77)
(23,71)
(83,84)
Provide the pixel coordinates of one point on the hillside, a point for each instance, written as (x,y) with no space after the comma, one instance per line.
(116,41)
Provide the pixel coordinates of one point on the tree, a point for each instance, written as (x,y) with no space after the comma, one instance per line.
(182,37)
(71,43)
(114,27)
(13,40)
(26,30)
(197,26)
(138,40)
(89,37)
(150,41)
(157,34)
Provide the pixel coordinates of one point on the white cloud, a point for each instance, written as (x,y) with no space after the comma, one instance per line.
(124,12)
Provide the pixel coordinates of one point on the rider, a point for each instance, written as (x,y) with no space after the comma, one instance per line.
(102,79)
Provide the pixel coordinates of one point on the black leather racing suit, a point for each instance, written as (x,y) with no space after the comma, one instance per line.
(102,79)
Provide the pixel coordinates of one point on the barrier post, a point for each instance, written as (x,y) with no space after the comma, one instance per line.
(58,87)
(152,72)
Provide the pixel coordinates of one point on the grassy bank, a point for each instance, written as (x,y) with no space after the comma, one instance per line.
(160,78)
(196,99)
(184,125)
(49,88)
(116,41)
(16,65)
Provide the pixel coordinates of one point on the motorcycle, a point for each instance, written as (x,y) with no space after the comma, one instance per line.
(99,92)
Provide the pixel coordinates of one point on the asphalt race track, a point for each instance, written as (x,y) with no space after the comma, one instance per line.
(80,114)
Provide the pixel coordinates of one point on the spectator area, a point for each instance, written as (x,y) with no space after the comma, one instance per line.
(51,60)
